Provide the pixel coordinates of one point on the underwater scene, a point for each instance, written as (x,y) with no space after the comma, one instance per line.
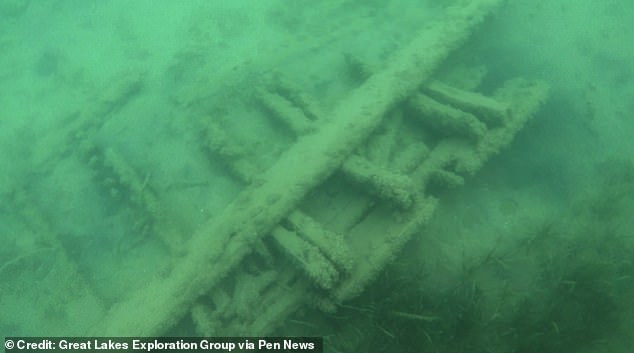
(392,176)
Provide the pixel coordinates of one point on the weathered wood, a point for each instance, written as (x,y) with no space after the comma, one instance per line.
(490,111)
(446,119)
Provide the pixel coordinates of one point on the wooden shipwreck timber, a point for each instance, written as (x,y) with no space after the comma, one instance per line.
(314,218)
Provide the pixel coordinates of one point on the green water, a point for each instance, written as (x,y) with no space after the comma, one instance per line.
(103,103)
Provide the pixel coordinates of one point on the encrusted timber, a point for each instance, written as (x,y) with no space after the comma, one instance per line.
(331,244)
(447,119)
(117,176)
(143,197)
(290,115)
(296,97)
(234,309)
(235,156)
(381,182)
(456,113)
(256,304)
(309,258)
(113,171)
(453,158)
(220,245)
(124,183)
(523,98)
(490,111)
(453,111)
(280,300)
(383,252)
(319,253)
